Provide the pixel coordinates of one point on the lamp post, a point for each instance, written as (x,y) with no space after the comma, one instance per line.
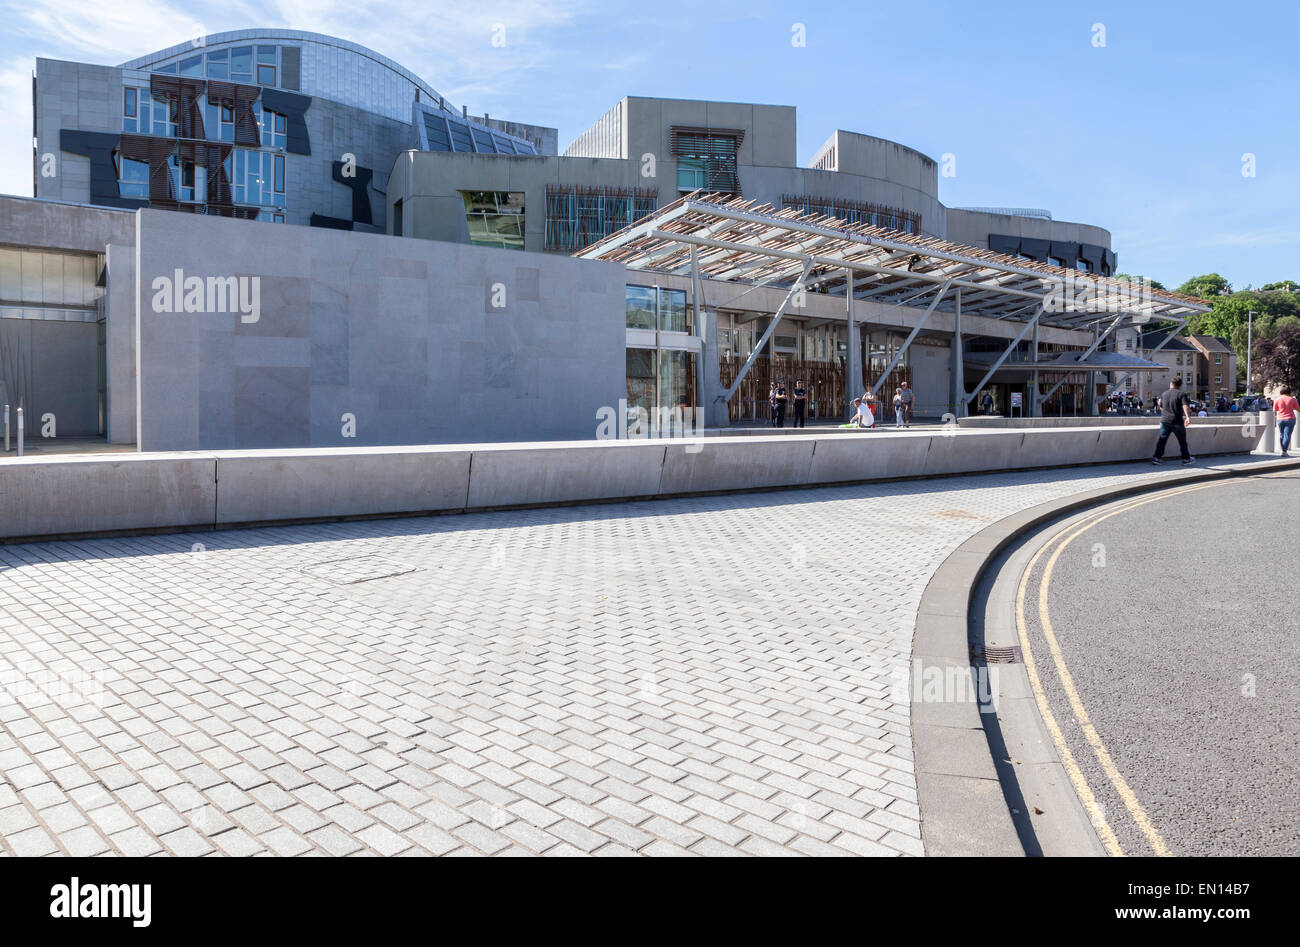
(1250,327)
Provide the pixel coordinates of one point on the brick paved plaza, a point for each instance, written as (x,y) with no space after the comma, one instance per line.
(697,676)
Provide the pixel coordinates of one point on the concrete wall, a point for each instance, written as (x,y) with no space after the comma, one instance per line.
(79,96)
(403,334)
(973,228)
(96,493)
(119,345)
(42,224)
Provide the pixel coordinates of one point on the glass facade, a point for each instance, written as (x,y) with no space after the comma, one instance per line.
(660,392)
(648,307)
(579,216)
(446,132)
(495,218)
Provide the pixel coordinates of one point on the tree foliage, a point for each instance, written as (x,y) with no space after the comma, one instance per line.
(1274,306)
(1207,286)
(1277,359)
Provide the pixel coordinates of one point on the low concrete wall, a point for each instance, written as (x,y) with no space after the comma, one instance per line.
(93,493)
(55,496)
(1108,420)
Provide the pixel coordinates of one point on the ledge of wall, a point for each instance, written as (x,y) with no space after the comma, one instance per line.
(44,497)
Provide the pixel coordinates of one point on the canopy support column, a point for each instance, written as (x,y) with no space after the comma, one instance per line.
(1031,324)
(762,343)
(957,369)
(853,366)
(943,288)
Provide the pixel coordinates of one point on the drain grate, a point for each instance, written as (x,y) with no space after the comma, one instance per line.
(1011,655)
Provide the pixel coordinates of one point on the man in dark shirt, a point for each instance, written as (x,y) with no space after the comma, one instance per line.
(782,401)
(800,403)
(1175,415)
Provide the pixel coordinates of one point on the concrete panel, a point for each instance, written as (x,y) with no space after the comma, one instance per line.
(731,463)
(260,486)
(559,473)
(348,324)
(52,496)
(867,456)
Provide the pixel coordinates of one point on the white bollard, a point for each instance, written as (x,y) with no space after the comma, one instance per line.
(1268,443)
(20,432)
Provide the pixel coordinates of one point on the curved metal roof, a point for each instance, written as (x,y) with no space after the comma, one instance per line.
(301,36)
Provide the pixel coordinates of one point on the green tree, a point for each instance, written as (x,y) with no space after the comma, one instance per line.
(1155,284)
(1277,359)
(1207,286)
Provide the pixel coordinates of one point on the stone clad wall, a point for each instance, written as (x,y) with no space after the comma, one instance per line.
(405,336)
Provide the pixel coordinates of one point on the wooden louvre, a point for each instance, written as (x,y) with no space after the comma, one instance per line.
(717,148)
(239,99)
(183,93)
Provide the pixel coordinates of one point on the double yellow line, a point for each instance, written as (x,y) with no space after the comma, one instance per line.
(1122,788)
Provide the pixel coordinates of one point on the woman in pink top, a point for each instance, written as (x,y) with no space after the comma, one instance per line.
(1285,408)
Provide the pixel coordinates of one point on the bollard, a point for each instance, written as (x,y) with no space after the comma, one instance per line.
(1268,442)
(6,429)
(20,432)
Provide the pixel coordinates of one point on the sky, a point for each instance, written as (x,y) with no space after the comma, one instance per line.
(1172,125)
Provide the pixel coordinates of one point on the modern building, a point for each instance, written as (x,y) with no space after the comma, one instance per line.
(298,128)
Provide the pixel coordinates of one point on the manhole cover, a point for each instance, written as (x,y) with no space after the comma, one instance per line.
(356,569)
(1011,655)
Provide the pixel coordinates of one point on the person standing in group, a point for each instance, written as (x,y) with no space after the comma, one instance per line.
(800,403)
(1286,406)
(782,402)
(1175,415)
(988,403)
(771,404)
(906,399)
(898,407)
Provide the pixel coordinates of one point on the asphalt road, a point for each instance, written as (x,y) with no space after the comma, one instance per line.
(1178,622)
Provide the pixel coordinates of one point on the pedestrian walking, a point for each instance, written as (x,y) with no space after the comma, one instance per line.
(907,399)
(1286,406)
(1175,415)
(898,407)
(800,403)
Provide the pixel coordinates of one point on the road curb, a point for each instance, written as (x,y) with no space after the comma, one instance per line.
(963,809)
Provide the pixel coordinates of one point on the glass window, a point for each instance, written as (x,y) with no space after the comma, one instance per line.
(279,173)
(266,54)
(436,129)
(166,70)
(672,310)
(241,64)
(692,174)
(132,177)
(1081,266)
(640,304)
(495,218)
(482,141)
(219,64)
(460,140)
(265,75)
(192,66)
(128,102)
(1218,358)
(641,384)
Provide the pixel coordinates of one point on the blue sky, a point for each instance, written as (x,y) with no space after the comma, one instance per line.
(1144,136)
